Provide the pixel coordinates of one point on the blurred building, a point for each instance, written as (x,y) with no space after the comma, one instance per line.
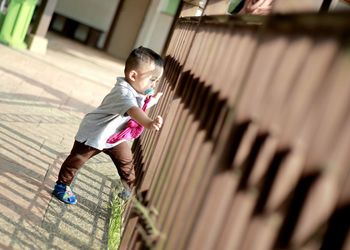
(116,26)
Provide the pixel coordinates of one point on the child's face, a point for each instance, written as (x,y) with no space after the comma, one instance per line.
(147,77)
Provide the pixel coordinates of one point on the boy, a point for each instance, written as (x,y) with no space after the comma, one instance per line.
(143,69)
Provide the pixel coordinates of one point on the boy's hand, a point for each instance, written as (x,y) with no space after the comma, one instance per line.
(142,118)
(157,123)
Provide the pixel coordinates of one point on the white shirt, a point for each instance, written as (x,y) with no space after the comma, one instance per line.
(110,117)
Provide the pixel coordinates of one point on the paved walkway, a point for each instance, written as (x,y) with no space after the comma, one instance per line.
(42,99)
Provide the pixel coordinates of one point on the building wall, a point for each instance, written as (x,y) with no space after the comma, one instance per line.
(96,14)
(155,28)
(127,27)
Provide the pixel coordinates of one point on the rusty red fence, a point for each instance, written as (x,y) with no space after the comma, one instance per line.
(254,151)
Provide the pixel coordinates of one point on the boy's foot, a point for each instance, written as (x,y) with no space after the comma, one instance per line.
(64,193)
(124,194)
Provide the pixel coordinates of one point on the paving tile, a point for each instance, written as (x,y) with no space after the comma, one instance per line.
(42,100)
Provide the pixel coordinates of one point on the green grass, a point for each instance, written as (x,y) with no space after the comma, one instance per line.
(115,222)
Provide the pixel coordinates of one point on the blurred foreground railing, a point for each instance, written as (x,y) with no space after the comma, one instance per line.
(254,152)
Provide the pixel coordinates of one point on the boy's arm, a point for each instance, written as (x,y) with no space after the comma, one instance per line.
(141,117)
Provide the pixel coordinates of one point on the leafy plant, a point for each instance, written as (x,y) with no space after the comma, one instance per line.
(116,220)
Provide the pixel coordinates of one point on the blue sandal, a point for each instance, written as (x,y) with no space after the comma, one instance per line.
(124,194)
(64,193)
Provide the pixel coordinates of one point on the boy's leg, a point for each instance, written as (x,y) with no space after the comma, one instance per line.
(122,158)
(79,154)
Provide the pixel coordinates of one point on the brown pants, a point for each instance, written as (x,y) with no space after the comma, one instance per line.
(121,156)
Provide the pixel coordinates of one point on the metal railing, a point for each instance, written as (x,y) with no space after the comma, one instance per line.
(254,151)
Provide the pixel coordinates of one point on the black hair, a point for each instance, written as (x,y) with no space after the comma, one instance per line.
(143,55)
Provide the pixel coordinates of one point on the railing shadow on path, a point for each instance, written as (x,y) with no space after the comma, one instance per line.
(63,97)
(30,218)
(37,127)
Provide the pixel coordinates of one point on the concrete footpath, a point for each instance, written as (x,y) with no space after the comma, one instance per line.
(42,100)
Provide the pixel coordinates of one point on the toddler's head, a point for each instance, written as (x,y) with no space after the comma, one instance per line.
(143,69)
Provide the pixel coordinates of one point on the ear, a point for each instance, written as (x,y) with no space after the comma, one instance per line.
(132,75)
